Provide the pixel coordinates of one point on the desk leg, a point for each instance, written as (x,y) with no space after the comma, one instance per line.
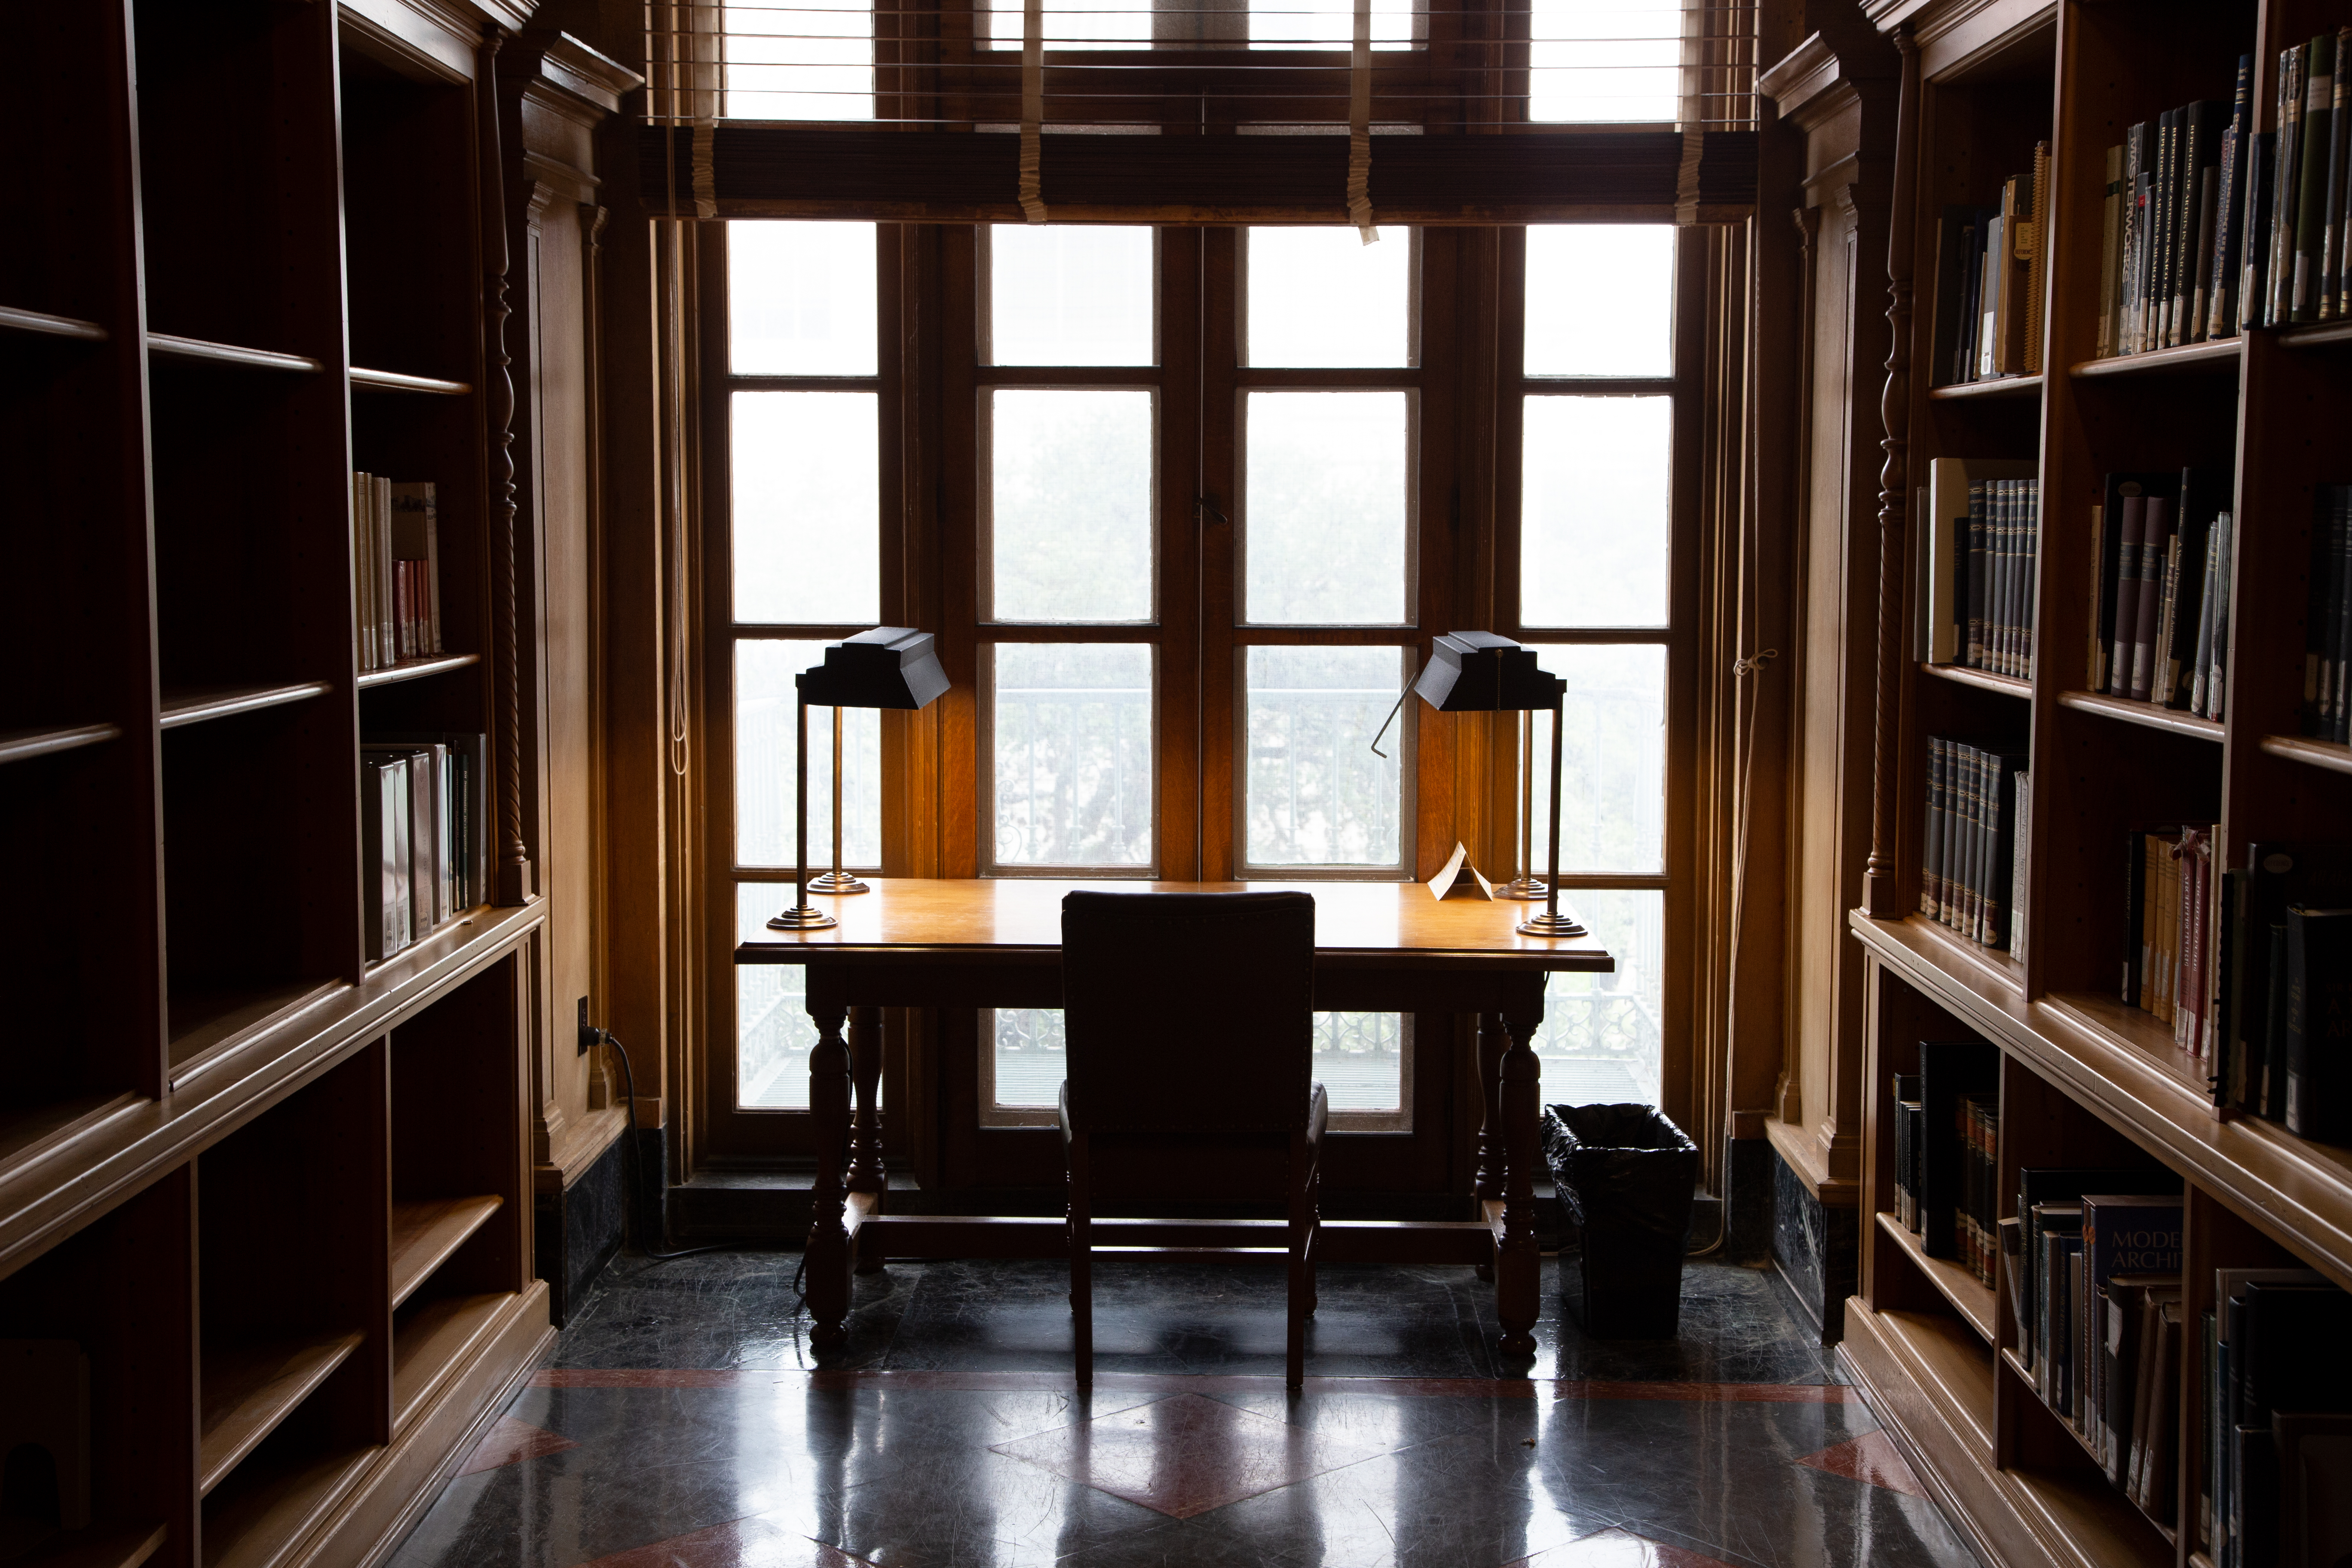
(867,1172)
(1518,1264)
(1492,1040)
(828,1241)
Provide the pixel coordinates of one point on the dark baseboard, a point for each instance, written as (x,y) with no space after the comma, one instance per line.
(576,1231)
(1816,1251)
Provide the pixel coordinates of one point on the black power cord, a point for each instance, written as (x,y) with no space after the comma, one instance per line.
(638,1188)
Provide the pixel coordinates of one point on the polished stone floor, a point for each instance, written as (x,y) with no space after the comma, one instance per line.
(684,1421)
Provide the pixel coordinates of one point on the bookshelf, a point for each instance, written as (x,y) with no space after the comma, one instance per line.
(2086,1078)
(276,1196)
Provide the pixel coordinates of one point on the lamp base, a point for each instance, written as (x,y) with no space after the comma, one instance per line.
(836,882)
(804,917)
(1522,887)
(1543,923)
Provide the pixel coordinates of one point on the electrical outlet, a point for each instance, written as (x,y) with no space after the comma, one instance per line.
(588,1035)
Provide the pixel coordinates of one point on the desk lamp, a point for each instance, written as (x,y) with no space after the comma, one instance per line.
(889,666)
(1478,672)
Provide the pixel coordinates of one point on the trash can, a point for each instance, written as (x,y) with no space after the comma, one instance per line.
(1626,1176)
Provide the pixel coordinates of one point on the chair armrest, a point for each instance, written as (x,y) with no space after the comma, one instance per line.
(1319,1116)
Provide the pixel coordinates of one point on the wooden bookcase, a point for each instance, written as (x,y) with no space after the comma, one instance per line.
(2084,1079)
(278,1198)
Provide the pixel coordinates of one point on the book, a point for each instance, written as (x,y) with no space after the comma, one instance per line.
(2286,188)
(2062,1184)
(2230,1287)
(2314,139)
(2319,1023)
(1956,595)
(2277,874)
(416,527)
(2203,496)
(2019,859)
(384,854)
(2111,234)
(463,809)
(2221,308)
(1906,1132)
(1949,1071)
(2125,506)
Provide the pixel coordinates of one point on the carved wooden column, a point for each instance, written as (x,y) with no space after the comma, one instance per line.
(510,876)
(1882,883)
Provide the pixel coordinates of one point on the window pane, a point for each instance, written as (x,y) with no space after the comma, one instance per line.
(1594,512)
(1324,536)
(1322,296)
(1029,1056)
(1296,24)
(1065,294)
(1076,24)
(799,59)
(1070,525)
(1315,794)
(1072,737)
(1613,789)
(774,1035)
(799,299)
(1631,266)
(765,733)
(1600,1043)
(1359,1058)
(1605,60)
(808,507)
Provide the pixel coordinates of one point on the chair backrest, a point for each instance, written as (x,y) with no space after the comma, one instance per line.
(1188,1013)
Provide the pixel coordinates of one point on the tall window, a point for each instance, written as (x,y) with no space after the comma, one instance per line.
(1596,401)
(804,413)
(1133,662)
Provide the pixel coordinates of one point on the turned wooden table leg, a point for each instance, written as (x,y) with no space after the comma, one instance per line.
(1518,1264)
(1492,1038)
(866,1171)
(828,1278)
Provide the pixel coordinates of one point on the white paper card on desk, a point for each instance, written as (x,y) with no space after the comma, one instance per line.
(1460,880)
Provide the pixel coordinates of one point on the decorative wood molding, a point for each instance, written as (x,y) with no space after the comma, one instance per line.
(512,874)
(1881,879)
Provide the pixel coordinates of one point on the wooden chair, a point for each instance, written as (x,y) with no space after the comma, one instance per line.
(1189,1022)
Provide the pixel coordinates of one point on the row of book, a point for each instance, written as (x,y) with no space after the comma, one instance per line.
(2090,1265)
(423,834)
(2276,1470)
(2212,226)
(2160,623)
(2327,620)
(2172,225)
(1991,279)
(1979,801)
(1974,1140)
(2095,1285)
(2167,899)
(2297,215)
(1980,547)
(398,531)
(1946,1151)
(2283,989)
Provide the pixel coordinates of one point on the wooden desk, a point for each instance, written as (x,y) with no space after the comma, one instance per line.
(996,942)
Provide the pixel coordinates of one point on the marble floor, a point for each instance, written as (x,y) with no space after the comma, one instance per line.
(685,1421)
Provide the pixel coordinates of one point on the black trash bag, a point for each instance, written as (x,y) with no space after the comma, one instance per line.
(1625,1175)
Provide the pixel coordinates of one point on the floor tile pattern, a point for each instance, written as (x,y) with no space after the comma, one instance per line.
(686,1422)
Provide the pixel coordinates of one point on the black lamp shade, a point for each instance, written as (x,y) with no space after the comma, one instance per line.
(1478,672)
(889,666)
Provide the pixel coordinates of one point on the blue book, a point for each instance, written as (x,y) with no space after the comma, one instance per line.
(2129,1233)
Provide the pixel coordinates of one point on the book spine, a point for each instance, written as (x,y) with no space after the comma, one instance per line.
(2158,537)
(1931,901)
(2313,139)
(2225,530)
(2283,188)
(1979,522)
(2330,247)
(2131,244)
(2021,858)
(2162,198)
(2094,661)
(2229,241)
(2134,941)
(2123,589)
(2111,219)
(2029,615)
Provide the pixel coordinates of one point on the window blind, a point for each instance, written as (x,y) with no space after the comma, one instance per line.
(1417,112)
